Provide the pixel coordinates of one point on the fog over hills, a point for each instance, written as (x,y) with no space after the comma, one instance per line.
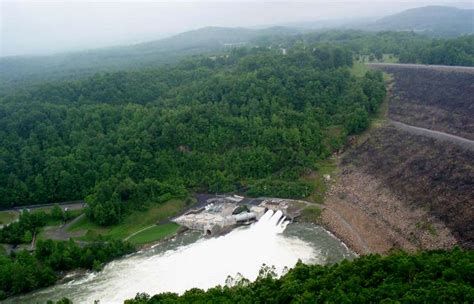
(41,28)
(437,20)
(432,20)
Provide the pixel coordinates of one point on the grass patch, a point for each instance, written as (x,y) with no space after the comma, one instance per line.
(132,223)
(311,214)
(427,227)
(359,69)
(6,217)
(386,58)
(154,233)
(324,167)
(389,58)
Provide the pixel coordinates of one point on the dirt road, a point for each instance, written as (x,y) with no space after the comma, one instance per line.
(460,141)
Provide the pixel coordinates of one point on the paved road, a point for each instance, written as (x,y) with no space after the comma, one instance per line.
(460,141)
(73,205)
(62,233)
(137,232)
(448,68)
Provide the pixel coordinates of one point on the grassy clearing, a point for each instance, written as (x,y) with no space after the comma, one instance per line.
(154,233)
(389,58)
(324,167)
(132,223)
(359,69)
(386,58)
(311,214)
(6,217)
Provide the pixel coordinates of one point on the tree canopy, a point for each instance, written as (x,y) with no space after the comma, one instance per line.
(426,277)
(251,118)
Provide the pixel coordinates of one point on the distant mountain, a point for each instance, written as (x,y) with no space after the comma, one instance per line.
(23,70)
(327,23)
(434,20)
(17,70)
(210,38)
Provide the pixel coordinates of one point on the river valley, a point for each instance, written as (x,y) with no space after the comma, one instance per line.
(190,260)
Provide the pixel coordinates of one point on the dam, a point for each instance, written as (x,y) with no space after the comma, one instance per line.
(222,214)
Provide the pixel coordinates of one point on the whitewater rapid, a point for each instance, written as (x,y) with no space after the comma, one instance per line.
(201,263)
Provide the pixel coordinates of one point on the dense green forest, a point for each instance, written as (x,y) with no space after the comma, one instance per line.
(458,51)
(426,277)
(408,47)
(24,271)
(208,124)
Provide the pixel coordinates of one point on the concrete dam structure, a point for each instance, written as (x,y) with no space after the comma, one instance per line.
(222,214)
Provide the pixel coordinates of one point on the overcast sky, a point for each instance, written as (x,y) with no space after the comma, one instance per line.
(38,27)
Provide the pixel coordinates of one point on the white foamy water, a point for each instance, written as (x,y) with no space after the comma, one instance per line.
(204,263)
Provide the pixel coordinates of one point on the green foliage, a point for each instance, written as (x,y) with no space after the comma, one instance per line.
(154,233)
(278,188)
(427,277)
(311,214)
(127,139)
(61,301)
(111,199)
(29,223)
(459,51)
(25,271)
(23,230)
(6,217)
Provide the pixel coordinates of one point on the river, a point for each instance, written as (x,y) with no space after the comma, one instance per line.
(190,260)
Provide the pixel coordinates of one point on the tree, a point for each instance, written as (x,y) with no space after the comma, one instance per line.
(57,212)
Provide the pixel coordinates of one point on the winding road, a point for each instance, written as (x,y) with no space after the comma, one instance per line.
(460,141)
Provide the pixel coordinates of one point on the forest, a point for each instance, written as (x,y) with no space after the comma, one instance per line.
(458,51)
(24,271)
(245,121)
(425,277)
(408,47)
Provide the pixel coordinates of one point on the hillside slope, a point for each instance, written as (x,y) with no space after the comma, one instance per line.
(402,188)
(425,174)
(436,20)
(437,98)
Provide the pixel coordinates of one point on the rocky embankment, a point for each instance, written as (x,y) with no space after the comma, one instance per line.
(402,187)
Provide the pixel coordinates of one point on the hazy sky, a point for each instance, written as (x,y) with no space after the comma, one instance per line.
(38,27)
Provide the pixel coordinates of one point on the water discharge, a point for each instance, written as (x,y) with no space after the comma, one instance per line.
(192,261)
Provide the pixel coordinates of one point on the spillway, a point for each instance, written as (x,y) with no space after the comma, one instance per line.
(193,261)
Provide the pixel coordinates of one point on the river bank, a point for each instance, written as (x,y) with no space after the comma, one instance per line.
(191,261)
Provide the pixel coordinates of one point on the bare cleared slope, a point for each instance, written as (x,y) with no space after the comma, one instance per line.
(440,98)
(425,173)
(406,187)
